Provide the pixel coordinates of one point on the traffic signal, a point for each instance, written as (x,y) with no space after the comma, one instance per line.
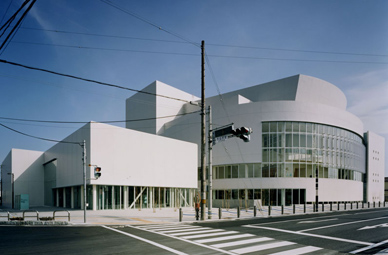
(243,133)
(97,172)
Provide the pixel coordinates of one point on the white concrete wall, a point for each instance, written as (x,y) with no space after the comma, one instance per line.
(143,106)
(134,158)
(375,167)
(328,189)
(27,168)
(127,157)
(6,168)
(69,158)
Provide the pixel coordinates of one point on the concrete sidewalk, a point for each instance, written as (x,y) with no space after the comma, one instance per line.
(100,217)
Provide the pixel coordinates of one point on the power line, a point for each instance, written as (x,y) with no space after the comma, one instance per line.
(104,35)
(209,44)
(208,55)
(89,80)
(16,27)
(37,137)
(85,122)
(106,49)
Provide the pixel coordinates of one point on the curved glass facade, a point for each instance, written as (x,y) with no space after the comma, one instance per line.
(297,149)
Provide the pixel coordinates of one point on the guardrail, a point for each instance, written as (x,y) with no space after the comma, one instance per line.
(23,216)
(268,211)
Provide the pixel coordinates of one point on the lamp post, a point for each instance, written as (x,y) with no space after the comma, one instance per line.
(13,189)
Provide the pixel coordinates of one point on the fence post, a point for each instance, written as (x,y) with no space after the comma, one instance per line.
(254,211)
(238,211)
(180,214)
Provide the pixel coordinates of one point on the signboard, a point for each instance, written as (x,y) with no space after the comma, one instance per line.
(222,133)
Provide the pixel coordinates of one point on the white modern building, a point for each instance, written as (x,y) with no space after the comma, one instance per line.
(139,170)
(300,127)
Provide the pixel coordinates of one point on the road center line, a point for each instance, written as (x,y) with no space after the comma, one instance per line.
(147,241)
(313,235)
(341,224)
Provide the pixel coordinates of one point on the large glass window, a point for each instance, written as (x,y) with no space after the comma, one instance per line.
(298,146)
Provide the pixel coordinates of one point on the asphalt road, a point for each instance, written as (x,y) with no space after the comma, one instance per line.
(357,232)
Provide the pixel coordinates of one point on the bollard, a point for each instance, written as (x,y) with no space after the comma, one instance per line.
(293,209)
(238,211)
(362,205)
(180,214)
(282,209)
(338,206)
(323,207)
(269,210)
(219,213)
(379,204)
(351,205)
(345,206)
(304,208)
(331,206)
(374,204)
(357,205)
(368,204)
(254,211)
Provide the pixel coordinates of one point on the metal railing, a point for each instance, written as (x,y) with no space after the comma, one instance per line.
(270,210)
(21,216)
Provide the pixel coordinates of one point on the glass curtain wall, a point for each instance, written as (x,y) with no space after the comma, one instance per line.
(298,149)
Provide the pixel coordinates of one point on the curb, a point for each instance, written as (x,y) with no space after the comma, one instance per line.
(34,223)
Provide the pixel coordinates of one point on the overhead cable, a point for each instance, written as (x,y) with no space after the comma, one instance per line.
(89,80)
(85,122)
(37,137)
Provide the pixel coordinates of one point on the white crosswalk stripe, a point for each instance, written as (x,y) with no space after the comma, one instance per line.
(232,242)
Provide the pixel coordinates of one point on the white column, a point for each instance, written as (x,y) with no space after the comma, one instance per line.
(125,197)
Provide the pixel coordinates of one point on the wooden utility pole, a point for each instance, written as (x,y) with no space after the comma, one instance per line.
(203,134)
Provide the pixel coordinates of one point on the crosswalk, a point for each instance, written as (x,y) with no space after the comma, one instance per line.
(231,242)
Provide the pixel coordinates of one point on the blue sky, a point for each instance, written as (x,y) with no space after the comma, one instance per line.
(279,39)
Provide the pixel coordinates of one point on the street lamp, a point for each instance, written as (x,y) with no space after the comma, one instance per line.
(13,188)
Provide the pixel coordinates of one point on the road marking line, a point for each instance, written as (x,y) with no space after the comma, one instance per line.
(212,234)
(254,240)
(262,247)
(147,241)
(185,240)
(169,228)
(197,232)
(315,221)
(181,230)
(298,251)
(369,247)
(341,224)
(223,238)
(313,235)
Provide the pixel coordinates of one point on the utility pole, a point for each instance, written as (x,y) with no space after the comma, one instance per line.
(84,175)
(203,135)
(210,166)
